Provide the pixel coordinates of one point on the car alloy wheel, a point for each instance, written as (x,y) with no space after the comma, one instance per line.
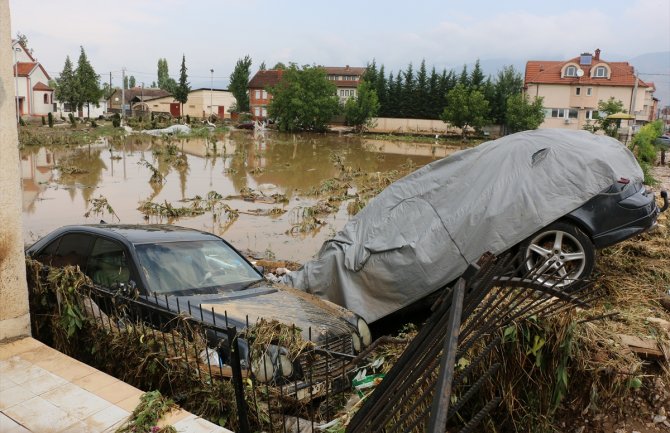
(560,253)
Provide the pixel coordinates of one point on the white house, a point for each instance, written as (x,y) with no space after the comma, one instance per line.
(33,94)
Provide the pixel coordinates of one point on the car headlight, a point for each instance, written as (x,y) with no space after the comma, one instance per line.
(274,363)
(263,368)
(356,340)
(364,332)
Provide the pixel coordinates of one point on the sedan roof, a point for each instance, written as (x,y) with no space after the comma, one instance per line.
(143,234)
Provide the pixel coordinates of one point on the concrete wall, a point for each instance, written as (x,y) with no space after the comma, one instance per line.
(14,315)
(414,126)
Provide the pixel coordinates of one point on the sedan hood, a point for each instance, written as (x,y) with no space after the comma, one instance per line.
(270,302)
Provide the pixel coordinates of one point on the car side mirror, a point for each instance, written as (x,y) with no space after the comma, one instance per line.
(126,289)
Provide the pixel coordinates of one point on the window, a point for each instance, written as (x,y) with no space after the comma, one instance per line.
(571,71)
(558,112)
(353,92)
(578,91)
(264,94)
(257,94)
(107,265)
(71,249)
(572,113)
(257,111)
(589,115)
(589,91)
(46,98)
(601,72)
(264,112)
(341,92)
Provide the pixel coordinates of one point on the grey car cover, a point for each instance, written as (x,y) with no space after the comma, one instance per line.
(423,230)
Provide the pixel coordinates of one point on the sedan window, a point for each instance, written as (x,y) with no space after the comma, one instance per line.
(72,250)
(194,266)
(107,264)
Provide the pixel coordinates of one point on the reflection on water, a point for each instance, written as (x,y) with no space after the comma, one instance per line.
(269,163)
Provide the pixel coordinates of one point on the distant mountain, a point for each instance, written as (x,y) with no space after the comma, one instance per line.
(651,67)
(655,67)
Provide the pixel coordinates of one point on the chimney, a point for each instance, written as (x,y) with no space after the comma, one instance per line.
(597,56)
(347,67)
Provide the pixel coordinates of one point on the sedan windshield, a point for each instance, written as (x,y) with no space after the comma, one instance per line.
(194,266)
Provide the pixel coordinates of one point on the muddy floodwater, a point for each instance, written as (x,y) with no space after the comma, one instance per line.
(59,183)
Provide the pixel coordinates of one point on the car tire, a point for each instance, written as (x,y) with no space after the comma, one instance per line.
(561,253)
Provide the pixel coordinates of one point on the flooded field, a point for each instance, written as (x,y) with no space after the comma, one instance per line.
(251,190)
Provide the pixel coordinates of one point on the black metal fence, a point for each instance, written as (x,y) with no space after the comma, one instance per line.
(424,392)
(270,377)
(205,362)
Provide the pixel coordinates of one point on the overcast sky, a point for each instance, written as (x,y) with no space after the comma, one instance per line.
(214,34)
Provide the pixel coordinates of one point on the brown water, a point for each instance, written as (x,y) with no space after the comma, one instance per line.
(270,163)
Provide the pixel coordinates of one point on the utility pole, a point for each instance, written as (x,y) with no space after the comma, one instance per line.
(211,91)
(123,93)
(632,102)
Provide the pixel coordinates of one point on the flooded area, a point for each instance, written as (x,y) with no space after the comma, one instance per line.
(253,188)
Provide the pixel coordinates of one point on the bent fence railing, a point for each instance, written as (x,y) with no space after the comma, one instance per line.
(218,369)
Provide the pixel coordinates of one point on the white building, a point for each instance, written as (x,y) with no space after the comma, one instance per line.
(33,94)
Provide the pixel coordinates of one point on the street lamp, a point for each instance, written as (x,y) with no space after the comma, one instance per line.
(16,84)
(211,91)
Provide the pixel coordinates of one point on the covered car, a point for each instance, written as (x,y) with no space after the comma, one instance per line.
(422,231)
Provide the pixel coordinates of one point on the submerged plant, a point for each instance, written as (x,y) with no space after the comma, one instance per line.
(100,206)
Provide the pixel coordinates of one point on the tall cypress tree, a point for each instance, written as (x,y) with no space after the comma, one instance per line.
(464,79)
(476,77)
(421,98)
(408,104)
(183,87)
(239,82)
(66,86)
(164,80)
(382,92)
(88,83)
(435,99)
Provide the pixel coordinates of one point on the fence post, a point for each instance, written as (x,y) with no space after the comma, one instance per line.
(238,381)
(438,418)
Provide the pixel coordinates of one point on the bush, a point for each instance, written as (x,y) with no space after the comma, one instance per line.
(188,119)
(94,124)
(644,142)
(116,120)
(44,122)
(22,122)
(51,120)
(72,119)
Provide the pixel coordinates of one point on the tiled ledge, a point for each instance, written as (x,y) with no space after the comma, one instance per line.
(44,391)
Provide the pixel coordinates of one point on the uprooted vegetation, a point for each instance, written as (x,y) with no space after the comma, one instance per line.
(556,373)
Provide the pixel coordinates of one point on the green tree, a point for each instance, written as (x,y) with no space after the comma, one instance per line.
(239,82)
(279,65)
(131,82)
(509,82)
(262,66)
(164,81)
(465,109)
(303,100)
(359,111)
(66,86)
(476,77)
(601,120)
(88,83)
(522,114)
(183,87)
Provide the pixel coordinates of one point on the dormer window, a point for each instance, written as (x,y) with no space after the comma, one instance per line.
(600,72)
(571,71)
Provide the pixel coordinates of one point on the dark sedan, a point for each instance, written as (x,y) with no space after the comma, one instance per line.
(179,266)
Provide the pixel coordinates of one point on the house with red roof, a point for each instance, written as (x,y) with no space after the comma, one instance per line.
(259,98)
(346,80)
(34,96)
(572,89)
